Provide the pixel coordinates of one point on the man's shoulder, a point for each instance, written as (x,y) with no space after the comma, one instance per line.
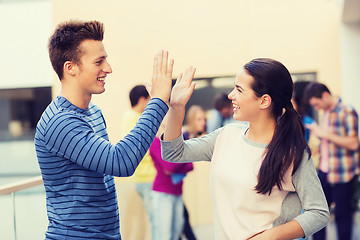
(56,115)
(342,106)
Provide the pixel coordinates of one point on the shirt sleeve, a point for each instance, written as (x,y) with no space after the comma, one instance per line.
(69,136)
(193,150)
(351,123)
(214,121)
(308,187)
(155,153)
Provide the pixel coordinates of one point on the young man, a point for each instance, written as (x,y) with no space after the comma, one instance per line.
(76,159)
(339,154)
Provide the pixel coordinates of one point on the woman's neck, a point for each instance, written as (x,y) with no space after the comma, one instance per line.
(262,131)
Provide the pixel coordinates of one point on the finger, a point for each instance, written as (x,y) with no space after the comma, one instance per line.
(170,69)
(159,61)
(148,88)
(164,62)
(155,64)
(190,72)
(192,86)
(178,80)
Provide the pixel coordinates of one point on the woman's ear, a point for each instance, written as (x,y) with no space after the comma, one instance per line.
(265,101)
(69,68)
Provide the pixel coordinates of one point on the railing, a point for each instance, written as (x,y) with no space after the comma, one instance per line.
(15,187)
(21,185)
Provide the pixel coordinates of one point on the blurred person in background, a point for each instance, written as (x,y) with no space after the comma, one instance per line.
(306,113)
(144,174)
(303,108)
(166,196)
(261,170)
(195,122)
(339,154)
(195,126)
(76,158)
(221,115)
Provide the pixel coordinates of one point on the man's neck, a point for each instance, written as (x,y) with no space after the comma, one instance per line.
(138,108)
(334,101)
(75,97)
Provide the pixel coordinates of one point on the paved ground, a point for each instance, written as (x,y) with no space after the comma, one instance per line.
(205,232)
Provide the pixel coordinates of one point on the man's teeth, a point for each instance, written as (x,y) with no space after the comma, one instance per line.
(235,106)
(101,79)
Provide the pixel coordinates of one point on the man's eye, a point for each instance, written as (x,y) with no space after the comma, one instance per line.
(99,62)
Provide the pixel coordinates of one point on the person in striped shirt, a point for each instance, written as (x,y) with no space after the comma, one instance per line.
(76,159)
(339,135)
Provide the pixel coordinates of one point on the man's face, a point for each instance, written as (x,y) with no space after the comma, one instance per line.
(319,103)
(227,112)
(93,67)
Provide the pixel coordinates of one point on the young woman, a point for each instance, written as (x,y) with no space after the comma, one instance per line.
(195,122)
(261,171)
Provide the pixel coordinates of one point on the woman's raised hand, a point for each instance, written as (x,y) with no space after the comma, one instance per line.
(183,88)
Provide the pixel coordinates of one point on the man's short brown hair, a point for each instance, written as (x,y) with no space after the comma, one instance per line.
(65,41)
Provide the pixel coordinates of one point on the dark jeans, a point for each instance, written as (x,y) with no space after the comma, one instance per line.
(187,231)
(340,194)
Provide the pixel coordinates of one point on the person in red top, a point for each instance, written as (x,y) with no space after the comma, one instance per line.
(166,195)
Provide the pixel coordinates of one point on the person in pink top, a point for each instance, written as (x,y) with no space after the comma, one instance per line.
(166,195)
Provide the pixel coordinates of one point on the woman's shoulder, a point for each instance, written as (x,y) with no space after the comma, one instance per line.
(238,125)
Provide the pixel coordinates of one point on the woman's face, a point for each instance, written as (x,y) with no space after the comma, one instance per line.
(200,121)
(245,103)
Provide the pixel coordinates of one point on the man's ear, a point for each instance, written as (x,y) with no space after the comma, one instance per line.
(265,101)
(70,68)
(324,95)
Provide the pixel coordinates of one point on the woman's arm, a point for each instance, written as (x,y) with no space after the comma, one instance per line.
(308,187)
(287,231)
(168,167)
(316,212)
(195,149)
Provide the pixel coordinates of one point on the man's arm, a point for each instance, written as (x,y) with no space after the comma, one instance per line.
(348,142)
(70,137)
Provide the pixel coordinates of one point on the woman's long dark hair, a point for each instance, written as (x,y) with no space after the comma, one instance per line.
(288,144)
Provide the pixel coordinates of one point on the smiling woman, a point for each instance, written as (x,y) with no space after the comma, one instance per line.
(259,166)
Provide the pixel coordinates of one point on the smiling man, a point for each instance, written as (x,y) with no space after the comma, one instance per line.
(76,159)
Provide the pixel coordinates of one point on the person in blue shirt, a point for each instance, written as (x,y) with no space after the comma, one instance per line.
(76,159)
(304,109)
(222,113)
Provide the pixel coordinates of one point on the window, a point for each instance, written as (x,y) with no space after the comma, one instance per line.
(21,110)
